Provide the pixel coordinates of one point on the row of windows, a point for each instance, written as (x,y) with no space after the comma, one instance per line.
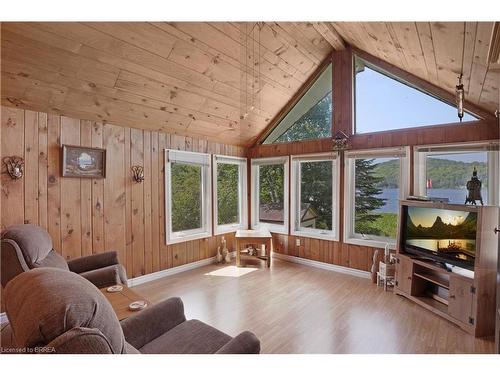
(188,200)
(374,182)
(382,102)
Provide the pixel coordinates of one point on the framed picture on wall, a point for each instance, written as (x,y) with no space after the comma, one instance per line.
(83,162)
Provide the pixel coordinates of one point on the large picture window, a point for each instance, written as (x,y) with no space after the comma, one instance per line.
(310,117)
(187,201)
(375,182)
(230,187)
(314,183)
(442,171)
(270,194)
(384,102)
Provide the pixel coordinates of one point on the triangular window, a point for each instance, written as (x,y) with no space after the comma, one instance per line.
(384,102)
(310,117)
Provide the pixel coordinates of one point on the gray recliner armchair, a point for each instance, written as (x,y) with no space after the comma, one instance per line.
(53,311)
(26,246)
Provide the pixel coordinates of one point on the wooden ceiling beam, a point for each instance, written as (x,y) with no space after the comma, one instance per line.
(331,35)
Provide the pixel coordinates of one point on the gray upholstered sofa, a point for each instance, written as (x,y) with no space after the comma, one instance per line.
(54,311)
(27,246)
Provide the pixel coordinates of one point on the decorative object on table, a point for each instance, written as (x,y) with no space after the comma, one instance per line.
(474,189)
(137,305)
(263,250)
(250,250)
(114,289)
(340,141)
(15,166)
(138,173)
(83,162)
(218,257)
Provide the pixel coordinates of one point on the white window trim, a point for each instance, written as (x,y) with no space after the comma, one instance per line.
(332,235)
(206,229)
(404,182)
(256,163)
(242,194)
(420,166)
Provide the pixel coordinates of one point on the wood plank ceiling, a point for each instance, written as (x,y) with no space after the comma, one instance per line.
(184,78)
(197,78)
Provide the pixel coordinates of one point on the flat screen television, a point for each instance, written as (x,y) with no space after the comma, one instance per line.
(440,234)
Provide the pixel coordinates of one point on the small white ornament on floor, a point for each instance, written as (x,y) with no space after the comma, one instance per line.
(218,257)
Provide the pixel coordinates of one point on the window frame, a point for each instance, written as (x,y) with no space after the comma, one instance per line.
(403,154)
(255,223)
(295,193)
(242,193)
(373,66)
(421,152)
(321,69)
(193,158)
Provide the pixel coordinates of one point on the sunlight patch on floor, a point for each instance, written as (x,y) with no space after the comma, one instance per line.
(231,271)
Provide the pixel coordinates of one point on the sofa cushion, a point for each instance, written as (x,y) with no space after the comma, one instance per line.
(44,303)
(190,337)
(34,241)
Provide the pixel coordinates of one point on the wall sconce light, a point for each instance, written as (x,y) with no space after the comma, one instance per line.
(138,173)
(15,166)
(340,141)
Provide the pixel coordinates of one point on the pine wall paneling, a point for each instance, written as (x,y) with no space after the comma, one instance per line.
(88,216)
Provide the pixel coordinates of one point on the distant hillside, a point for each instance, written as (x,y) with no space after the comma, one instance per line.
(445,174)
(439,230)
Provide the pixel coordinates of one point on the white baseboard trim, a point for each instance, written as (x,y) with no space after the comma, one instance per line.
(172,271)
(3,318)
(325,266)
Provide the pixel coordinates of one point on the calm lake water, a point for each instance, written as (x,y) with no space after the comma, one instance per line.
(455,196)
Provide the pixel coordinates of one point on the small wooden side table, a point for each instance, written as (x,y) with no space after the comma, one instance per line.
(261,237)
(120,301)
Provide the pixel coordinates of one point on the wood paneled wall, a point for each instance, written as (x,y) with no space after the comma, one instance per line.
(87,216)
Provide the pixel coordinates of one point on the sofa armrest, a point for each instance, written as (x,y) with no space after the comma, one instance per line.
(103,277)
(12,261)
(92,262)
(153,322)
(245,343)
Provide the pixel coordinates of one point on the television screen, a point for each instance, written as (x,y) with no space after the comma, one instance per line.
(444,235)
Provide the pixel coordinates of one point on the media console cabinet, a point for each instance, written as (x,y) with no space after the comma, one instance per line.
(469,301)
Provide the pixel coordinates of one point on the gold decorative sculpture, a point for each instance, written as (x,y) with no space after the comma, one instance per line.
(15,166)
(138,172)
(474,189)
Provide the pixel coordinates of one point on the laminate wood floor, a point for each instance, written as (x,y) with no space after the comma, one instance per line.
(294,308)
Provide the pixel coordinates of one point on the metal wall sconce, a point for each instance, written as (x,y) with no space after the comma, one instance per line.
(340,141)
(15,166)
(138,173)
